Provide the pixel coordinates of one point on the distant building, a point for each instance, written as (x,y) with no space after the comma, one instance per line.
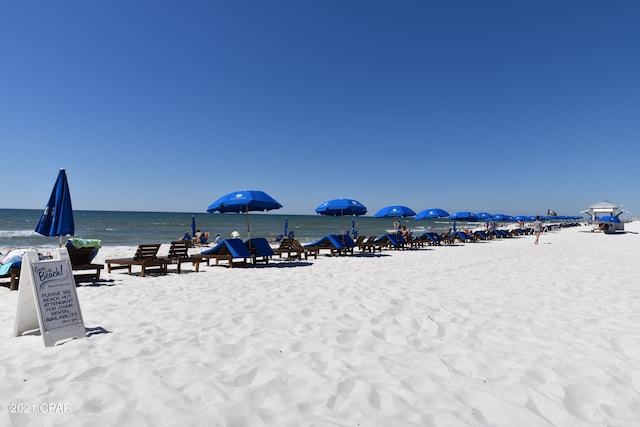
(605,208)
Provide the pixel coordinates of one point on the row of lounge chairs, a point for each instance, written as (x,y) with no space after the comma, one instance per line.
(235,252)
(231,251)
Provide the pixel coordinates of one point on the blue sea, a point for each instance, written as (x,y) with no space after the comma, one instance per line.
(116,228)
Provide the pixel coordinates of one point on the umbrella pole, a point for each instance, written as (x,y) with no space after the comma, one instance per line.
(248,226)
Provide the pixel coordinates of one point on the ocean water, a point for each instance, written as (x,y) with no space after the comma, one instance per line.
(116,228)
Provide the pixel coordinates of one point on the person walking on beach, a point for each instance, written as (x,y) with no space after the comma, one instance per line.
(537,228)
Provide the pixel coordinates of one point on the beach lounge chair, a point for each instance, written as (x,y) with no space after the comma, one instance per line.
(226,250)
(293,249)
(179,254)
(81,253)
(391,241)
(12,272)
(369,244)
(335,244)
(433,239)
(146,257)
(260,250)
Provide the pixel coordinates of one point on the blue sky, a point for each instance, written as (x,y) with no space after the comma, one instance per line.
(498,106)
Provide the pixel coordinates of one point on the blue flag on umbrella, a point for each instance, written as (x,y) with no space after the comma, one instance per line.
(57,218)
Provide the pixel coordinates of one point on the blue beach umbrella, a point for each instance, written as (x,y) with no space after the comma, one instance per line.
(613,219)
(432,213)
(244,201)
(341,207)
(394,211)
(463,216)
(483,216)
(57,218)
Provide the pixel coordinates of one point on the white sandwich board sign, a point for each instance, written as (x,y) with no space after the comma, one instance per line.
(47,299)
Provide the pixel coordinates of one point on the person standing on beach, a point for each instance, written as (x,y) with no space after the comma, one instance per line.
(537,228)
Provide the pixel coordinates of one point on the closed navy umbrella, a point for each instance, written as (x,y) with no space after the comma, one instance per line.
(57,218)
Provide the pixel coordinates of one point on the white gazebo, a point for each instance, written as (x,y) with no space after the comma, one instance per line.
(605,208)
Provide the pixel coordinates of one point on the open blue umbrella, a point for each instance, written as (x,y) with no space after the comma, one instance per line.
(613,219)
(341,207)
(57,218)
(244,201)
(463,216)
(432,213)
(394,211)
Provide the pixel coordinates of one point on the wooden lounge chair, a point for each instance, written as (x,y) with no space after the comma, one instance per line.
(13,273)
(335,244)
(81,261)
(260,250)
(369,245)
(293,249)
(391,241)
(179,254)
(227,250)
(146,257)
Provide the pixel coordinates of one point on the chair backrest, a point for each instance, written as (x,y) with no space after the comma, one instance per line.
(236,248)
(259,246)
(179,249)
(296,245)
(147,251)
(80,256)
(286,243)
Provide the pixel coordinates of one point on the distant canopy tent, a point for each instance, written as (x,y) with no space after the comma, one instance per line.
(244,201)
(57,218)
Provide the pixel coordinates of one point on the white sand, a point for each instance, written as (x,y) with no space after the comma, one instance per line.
(504,333)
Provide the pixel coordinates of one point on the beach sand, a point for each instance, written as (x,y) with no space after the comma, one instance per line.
(500,333)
